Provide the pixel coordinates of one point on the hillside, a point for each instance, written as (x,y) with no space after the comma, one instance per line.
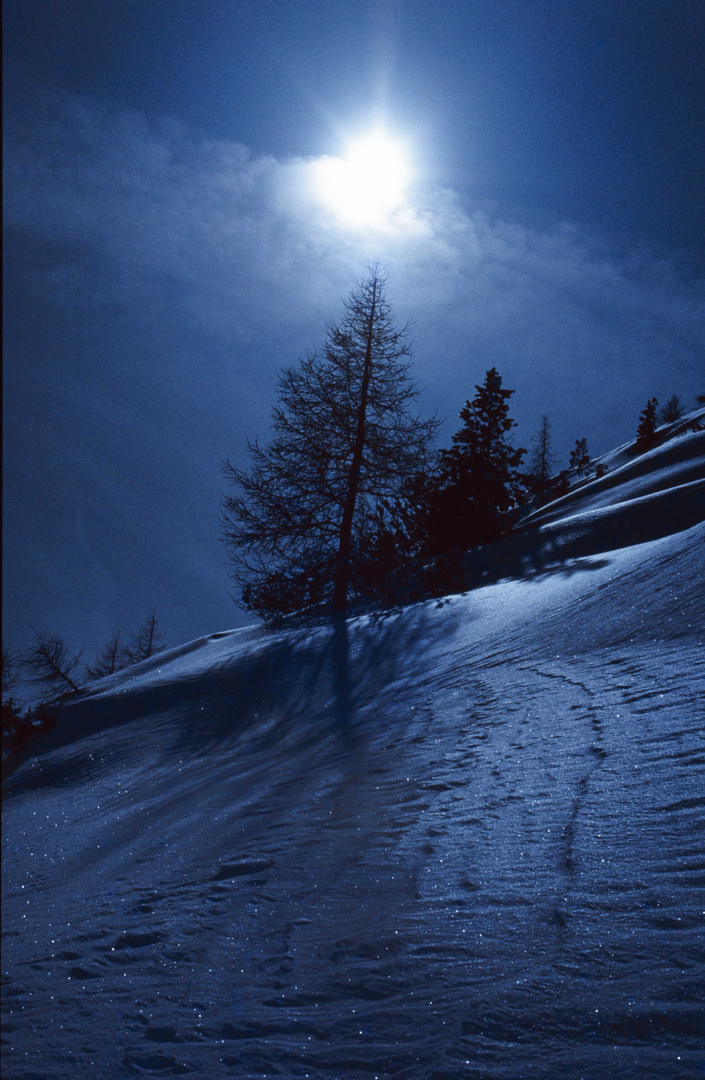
(463,839)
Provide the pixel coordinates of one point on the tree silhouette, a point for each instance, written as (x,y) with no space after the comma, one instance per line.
(49,664)
(542,460)
(672,410)
(579,456)
(466,501)
(304,515)
(146,642)
(10,672)
(645,434)
(110,660)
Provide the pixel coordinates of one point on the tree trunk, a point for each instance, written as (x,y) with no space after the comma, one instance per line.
(343,566)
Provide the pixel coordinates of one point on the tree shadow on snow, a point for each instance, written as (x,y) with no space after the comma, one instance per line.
(305,686)
(567,547)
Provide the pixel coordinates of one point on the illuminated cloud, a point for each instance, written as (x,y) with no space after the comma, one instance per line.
(240,247)
(164,279)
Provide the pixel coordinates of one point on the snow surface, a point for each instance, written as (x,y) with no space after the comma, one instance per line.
(464,839)
(680,461)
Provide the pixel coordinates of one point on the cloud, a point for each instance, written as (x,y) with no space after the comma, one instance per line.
(236,249)
(162,279)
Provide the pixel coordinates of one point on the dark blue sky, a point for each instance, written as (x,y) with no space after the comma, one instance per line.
(592,111)
(163,259)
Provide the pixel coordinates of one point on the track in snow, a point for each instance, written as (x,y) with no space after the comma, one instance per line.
(474,850)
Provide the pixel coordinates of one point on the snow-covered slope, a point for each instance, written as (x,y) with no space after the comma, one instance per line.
(676,462)
(464,839)
(641,497)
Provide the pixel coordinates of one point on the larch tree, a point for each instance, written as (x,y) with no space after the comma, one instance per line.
(49,664)
(302,519)
(109,661)
(117,655)
(542,459)
(9,671)
(146,642)
(672,410)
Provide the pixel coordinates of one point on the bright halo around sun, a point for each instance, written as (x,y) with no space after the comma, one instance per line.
(367,185)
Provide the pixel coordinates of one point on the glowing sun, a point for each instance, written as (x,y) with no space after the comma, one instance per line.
(367,184)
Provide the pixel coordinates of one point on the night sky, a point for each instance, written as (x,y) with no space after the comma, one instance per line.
(171,242)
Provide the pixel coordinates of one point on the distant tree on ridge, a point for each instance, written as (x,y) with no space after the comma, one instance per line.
(646,431)
(146,642)
(542,460)
(579,455)
(109,661)
(116,655)
(672,410)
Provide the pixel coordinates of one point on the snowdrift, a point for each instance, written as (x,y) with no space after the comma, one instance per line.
(641,497)
(460,840)
(667,467)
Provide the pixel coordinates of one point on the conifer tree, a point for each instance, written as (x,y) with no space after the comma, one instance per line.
(467,501)
(645,434)
(579,456)
(301,523)
(672,410)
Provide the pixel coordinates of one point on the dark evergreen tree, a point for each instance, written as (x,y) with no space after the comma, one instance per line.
(579,456)
(646,431)
(466,502)
(302,524)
